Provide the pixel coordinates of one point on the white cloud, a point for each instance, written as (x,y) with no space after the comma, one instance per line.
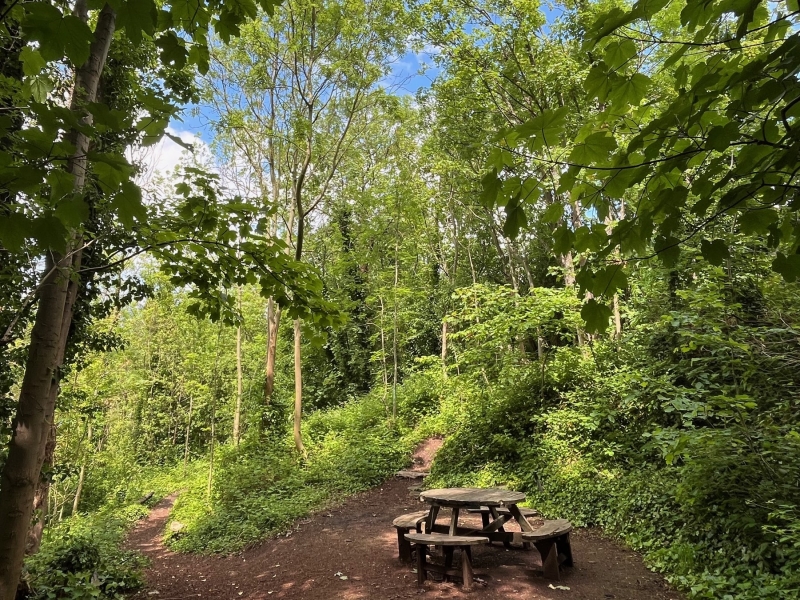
(159,161)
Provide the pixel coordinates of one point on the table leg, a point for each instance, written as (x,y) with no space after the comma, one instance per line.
(495,516)
(523,522)
(454,521)
(432,518)
(421,550)
(549,551)
(466,571)
(448,558)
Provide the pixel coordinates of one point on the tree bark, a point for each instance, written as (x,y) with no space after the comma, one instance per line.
(36,407)
(41,499)
(298,389)
(188,431)
(444,349)
(238,413)
(77,500)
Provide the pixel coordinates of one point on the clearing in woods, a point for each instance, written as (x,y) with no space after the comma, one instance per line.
(350,552)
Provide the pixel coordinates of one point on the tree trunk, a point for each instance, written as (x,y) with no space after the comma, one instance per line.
(238,413)
(383,361)
(298,390)
(394,335)
(78,491)
(41,499)
(273,321)
(188,430)
(444,349)
(36,407)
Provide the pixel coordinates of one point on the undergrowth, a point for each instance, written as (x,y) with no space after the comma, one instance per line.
(81,557)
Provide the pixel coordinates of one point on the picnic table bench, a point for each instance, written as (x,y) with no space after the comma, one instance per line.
(497,507)
(406,524)
(552,542)
(421,542)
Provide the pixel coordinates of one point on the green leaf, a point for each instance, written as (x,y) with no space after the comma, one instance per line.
(515,218)
(619,52)
(714,252)
(32,61)
(77,39)
(630,91)
(554,213)
(491,185)
(758,221)
(544,129)
(128,204)
(609,280)
(61,183)
(787,266)
(14,228)
(50,233)
(57,34)
(137,17)
(173,50)
(668,250)
(594,149)
(596,316)
(562,240)
(38,87)
(72,212)
(720,137)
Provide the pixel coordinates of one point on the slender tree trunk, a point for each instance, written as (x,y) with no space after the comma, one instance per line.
(298,389)
(383,361)
(211,449)
(79,490)
(188,431)
(394,335)
(444,349)
(238,413)
(36,407)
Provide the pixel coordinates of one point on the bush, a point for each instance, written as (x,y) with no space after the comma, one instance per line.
(80,558)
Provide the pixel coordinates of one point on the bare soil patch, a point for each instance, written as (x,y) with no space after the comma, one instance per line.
(350,553)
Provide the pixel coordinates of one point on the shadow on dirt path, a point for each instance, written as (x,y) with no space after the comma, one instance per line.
(350,553)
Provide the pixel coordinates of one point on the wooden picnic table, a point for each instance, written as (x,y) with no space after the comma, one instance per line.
(465,498)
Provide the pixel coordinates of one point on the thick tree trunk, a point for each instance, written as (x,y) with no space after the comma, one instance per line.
(41,499)
(34,416)
(298,389)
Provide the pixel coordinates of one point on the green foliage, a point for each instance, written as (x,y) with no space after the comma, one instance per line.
(259,491)
(81,558)
(680,438)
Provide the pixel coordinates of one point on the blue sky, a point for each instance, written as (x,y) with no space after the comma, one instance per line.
(410,72)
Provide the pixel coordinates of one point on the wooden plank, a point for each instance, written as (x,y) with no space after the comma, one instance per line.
(432,539)
(454,521)
(411,474)
(472,497)
(411,520)
(523,522)
(550,529)
(526,512)
(432,517)
(466,571)
(496,524)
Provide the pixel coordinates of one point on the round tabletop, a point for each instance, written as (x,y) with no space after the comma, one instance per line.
(472,497)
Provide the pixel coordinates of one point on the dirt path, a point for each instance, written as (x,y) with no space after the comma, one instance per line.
(350,553)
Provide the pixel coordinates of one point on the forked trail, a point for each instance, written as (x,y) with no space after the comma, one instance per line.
(350,553)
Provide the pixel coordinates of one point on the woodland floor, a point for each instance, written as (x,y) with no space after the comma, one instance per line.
(356,539)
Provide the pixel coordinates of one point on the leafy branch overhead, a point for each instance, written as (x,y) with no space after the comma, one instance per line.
(693,134)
